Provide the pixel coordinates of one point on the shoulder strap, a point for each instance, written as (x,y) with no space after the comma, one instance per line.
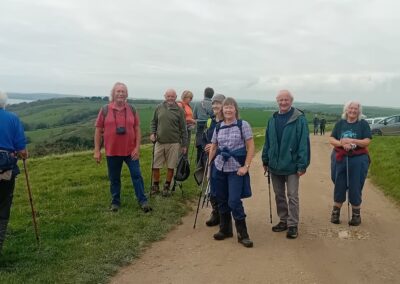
(104,109)
(239,124)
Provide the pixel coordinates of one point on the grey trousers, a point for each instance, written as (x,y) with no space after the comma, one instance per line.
(287,208)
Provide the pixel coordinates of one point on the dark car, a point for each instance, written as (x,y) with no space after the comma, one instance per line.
(387,126)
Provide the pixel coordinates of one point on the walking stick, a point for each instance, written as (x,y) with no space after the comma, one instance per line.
(201,192)
(348,189)
(152,164)
(31,201)
(269,194)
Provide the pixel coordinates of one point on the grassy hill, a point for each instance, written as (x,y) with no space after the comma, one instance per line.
(62,125)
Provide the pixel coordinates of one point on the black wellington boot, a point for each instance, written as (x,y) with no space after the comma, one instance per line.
(3,230)
(243,236)
(214,218)
(225,227)
(355,217)
(335,217)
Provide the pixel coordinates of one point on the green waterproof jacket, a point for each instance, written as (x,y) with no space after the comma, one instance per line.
(293,154)
(169,124)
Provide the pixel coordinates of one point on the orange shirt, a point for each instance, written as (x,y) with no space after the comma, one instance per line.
(115,144)
(188,112)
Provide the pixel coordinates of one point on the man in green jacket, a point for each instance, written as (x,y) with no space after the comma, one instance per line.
(286,155)
(168,132)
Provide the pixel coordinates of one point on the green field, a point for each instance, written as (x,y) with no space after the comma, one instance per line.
(385,165)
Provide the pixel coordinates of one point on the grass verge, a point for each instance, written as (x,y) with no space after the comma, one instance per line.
(385,165)
(81,240)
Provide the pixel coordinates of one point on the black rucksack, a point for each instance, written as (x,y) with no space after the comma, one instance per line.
(183,169)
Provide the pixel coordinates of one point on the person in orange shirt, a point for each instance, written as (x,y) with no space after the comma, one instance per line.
(186,98)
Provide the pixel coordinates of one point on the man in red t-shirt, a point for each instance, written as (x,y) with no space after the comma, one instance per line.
(118,124)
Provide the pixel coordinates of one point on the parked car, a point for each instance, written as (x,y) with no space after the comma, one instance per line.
(387,126)
(374,120)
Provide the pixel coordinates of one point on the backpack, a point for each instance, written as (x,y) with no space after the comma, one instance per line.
(183,169)
(182,173)
(104,110)
(239,123)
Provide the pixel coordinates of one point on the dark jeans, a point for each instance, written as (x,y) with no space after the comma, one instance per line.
(114,164)
(6,197)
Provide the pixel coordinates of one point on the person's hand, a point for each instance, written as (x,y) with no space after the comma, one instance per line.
(265,168)
(97,156)
(347,147)
(300,173)
(135,154)
(242,171)
(153,137)
(207,148)
(184,149)
(23,154)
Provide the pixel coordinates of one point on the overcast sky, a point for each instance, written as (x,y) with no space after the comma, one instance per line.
(323,51)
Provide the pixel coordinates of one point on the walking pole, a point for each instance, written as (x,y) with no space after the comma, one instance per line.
(206,195)
(201,191)
(31,201)
(269,194)
(152,164)
(348,189)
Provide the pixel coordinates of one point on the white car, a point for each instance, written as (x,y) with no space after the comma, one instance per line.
(374,120)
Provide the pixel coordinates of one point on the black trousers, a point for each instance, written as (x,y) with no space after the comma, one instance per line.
(6,197)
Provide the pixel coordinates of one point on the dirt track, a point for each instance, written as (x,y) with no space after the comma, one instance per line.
(323,252)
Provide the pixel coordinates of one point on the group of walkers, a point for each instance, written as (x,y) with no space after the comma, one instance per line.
(319,125)
(225,147)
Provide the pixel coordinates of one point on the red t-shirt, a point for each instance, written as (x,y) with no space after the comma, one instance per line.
(115,144)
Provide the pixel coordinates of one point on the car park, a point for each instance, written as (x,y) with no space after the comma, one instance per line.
(387,126)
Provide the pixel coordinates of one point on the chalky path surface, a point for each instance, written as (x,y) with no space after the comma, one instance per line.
(323,252)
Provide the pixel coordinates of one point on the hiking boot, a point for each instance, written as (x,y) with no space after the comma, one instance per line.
(214,219)
(155,189)
(225,227)
(146,207)
(292,232)
(355,218)
(280,227)
(114,208)
(166,191)
(242,235)
(335,217)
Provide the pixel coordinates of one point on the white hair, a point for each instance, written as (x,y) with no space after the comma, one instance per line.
(286,92)
(3,99)
(348,104)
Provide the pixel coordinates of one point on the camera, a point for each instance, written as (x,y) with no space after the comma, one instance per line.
(120,130)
